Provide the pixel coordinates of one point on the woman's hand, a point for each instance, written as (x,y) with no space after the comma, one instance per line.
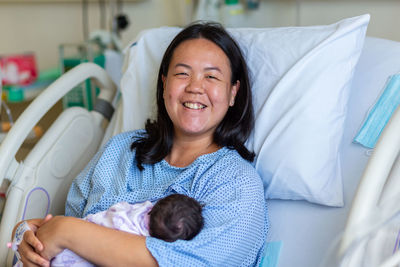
(51,236)
(31,246)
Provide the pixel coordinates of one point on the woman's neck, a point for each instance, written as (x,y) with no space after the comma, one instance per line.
(185,151)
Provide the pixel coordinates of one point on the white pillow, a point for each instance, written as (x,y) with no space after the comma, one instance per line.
(301,78)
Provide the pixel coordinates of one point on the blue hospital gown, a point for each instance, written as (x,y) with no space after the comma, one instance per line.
(235,211)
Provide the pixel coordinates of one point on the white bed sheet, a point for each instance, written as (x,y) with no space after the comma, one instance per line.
(308,230)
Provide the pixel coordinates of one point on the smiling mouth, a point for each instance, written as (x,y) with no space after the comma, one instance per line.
(194,105)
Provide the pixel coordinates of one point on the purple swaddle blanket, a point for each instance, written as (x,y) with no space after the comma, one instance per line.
(131,218)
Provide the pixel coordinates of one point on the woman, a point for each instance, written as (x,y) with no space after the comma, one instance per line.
(194,147)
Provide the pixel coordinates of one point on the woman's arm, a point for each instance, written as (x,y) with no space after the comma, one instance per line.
(99,245)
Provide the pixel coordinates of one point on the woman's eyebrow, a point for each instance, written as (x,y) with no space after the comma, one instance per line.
(213,68)
(182,65)
(189,67)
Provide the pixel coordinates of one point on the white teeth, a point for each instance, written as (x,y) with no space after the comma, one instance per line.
(193,105)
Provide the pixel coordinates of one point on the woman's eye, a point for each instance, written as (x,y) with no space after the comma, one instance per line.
(181,74)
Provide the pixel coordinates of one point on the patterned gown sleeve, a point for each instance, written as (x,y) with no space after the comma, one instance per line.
(81,187)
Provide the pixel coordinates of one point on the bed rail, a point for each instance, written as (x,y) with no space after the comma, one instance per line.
(372,187)
(38,108)
(10,168)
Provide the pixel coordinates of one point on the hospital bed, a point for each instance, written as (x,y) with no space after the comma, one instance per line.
(305,229)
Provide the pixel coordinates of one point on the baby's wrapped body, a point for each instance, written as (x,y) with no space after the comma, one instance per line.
(131,218)
(173,217)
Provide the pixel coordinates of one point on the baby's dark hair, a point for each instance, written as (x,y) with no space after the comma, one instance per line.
(176,217)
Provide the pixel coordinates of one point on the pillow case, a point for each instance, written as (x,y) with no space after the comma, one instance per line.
(301,78)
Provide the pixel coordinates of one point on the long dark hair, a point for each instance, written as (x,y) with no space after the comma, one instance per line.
(238,122)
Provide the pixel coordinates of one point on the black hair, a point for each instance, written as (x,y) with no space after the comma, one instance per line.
(238,122)
(176,217)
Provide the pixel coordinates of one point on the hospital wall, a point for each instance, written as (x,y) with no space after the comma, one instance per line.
(41,26)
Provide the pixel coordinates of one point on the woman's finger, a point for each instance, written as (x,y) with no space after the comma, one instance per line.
(27,263)
(29,257)
(46,219)
(33,241)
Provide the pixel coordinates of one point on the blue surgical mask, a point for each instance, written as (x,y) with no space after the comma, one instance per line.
(380,113)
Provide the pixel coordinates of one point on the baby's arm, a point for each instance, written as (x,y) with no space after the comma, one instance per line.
(26,244)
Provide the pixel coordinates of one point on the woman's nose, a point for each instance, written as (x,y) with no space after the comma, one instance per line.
(196,86)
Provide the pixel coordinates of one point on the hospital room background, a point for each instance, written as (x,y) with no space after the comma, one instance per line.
(47,32)
(42,25)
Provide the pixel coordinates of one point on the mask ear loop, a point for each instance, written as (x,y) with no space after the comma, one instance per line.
(369,152)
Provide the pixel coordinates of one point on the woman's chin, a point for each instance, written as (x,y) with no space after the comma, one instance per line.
(195,132)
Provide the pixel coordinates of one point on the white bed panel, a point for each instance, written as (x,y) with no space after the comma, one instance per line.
(307,230)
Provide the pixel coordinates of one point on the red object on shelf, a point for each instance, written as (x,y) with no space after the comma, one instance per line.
(18,69)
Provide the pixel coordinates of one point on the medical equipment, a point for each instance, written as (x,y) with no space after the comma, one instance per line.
(97,46)
(303,230)
(71,55)
(232,13)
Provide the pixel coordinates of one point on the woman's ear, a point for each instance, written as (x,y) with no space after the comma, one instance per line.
(164,80)
(234,90)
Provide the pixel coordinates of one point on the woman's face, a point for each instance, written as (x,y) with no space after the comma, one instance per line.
(197,88)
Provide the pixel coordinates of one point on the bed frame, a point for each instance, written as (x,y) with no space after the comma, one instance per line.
(378,191)
(40,183)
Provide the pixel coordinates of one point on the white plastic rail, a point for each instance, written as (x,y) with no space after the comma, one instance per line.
(373,180)
(38,108)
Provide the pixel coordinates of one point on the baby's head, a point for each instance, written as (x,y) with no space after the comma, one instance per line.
(176,217)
